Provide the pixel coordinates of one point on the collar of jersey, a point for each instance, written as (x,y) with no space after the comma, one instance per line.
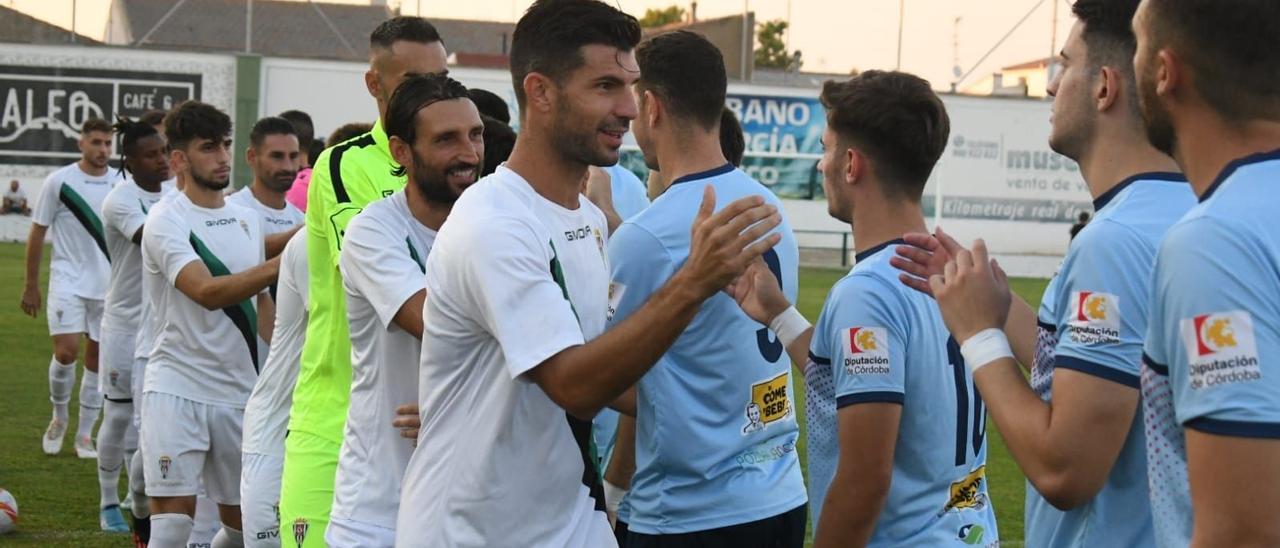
(1237,164)
(1106,197)
(727,167)
(876,249)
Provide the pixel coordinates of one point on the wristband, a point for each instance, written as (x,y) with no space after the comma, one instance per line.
(985,347)
(788,326)
(613,496)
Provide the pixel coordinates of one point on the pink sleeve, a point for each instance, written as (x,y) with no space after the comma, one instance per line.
(297,194)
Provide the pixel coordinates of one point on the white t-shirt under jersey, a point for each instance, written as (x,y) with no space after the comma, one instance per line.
(513,280)
(274,221)
(266,416)
(70,203)
(207,356)
(124,211)
(382,267)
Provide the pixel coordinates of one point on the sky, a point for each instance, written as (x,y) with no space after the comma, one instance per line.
(833,35)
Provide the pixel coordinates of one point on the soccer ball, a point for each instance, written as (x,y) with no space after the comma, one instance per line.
(8,511)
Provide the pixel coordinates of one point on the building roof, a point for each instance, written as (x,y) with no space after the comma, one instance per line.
(283,28)
(19,27)
(1036,64)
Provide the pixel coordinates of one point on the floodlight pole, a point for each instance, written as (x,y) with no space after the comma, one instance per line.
(248,27)
(902,10)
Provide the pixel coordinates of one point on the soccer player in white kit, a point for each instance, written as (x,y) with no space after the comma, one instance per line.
(70,203)
(518,282)
(274,157)
(203,264)
(124,213)
(436,134)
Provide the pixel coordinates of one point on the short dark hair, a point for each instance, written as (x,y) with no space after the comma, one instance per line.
(489,104)
(403,27)
(732,141)
(414,94)
(1108,35)
(302,127)
(687,72)
(152,117)
(499,140)
(894,118)
(129,133)
(95,124)
(549,37)
(349,131)
(1231,48)
(195,120)
(271,125)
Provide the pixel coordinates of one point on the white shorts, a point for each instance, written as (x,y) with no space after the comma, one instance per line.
(68,314)
(184,440)
(115,365)
(260,500)
(136,379)
(345,532)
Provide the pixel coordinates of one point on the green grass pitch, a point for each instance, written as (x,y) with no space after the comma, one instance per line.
(58,496)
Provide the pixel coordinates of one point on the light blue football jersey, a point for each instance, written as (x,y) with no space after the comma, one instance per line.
(1213,343)
(880,341)
(1097,311)
(716,428)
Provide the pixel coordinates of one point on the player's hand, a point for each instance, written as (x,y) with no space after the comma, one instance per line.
(923,256)
(758,293)
(408,422)
(31,300)
(724,243)
(972,292)
(598,187)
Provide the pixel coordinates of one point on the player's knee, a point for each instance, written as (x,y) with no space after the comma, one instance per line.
(64,353)
(230,516)
(174,505)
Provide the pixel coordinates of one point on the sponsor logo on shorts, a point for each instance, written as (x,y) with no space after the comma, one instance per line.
(300,531)
(970,534)
(59,313)
(1221,349)
(114,376)
(769,403)
(165,461)
(967,494)
(866,351)
(1097,318)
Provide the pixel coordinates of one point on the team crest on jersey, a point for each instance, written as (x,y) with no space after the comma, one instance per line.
(1221,348)
(1096,319)
(769,403)
(245,227)
(866,350)
(967,494)
(616,290)
(165,462)
(300,527)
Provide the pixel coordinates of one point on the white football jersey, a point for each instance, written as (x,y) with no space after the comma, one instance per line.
(124,211)
(274,221)
(70,204)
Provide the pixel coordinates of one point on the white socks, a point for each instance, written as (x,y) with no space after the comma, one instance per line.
(62,378)
(228,538)
(90,403)
(170,530)
(117,417)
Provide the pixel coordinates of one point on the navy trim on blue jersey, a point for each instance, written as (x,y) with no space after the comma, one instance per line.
(870,397)
(1102,201)
(1047,326)
(819,359)
(1237,164)
(1097,370)
(1159,368)
(857,258)
(726,168)
(1237,429)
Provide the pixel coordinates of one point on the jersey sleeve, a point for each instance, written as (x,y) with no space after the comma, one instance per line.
(1219,286)
(377,267)
(509,273)
(867,342)
(327,216)
(640,265)
(47,202)
(169,246)
(1101,309)
(122,216)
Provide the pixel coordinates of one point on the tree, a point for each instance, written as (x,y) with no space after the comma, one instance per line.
(772,53)
(658,18)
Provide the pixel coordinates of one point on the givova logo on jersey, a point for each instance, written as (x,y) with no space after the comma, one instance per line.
(1221,348)
(866,350)
(1096,319)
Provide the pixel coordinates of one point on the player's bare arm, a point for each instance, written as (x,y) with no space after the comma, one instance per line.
(35,251)
(275,242)
(868,434)
(216,292)
(1240,479)
(266,316)
(722,247)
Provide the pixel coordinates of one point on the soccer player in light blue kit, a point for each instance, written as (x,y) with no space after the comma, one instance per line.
(1075,430)
(1210,97)
(897,440)
(716,430)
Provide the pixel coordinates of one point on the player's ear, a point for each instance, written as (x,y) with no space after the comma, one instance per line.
(371,83)
(855,164)
(654,110)
(250,155)
(538,91)
(1170,71)
(400,150)
(1107,89)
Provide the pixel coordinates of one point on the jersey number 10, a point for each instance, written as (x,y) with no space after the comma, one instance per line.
(963,406)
